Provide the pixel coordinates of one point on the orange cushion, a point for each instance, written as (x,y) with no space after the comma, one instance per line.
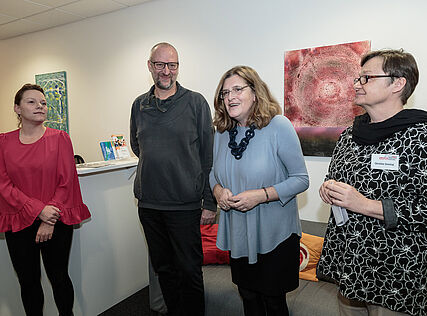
(310,250)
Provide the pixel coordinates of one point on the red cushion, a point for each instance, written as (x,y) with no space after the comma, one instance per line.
(211,253)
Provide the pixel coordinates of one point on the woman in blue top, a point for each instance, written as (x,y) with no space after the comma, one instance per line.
(257,172)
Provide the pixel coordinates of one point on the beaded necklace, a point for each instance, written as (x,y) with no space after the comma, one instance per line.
(237,150)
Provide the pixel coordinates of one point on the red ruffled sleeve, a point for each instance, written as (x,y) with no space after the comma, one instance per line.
(67,196)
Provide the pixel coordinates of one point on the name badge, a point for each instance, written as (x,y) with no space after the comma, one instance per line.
(385,162)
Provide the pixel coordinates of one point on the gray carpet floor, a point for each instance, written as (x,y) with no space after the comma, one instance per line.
(135,305)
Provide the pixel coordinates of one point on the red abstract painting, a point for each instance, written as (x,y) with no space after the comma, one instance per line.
(319,94)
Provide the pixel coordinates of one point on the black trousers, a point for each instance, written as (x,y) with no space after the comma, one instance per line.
(175,248)
(25,255)
(257,304)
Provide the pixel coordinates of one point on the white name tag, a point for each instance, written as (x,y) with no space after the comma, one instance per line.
(385,162)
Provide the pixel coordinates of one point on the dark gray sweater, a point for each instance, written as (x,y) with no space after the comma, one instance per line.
(173,139)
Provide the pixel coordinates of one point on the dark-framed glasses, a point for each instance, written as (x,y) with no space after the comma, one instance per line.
(159,65)
(365,78)
(236,90)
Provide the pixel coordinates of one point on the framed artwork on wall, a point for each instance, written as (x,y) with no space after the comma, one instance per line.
(55,87)
(319,94)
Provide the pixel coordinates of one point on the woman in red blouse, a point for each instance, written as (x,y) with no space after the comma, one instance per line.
(40,200)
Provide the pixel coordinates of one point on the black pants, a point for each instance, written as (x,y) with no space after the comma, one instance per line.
(257,304)
(25,255)
(175,248)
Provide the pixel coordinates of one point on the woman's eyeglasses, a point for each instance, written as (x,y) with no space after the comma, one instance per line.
(365,78)
(236,90)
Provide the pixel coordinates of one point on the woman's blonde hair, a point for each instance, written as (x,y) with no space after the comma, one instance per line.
(263,110)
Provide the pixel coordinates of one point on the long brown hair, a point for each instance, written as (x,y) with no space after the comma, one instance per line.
(265,106)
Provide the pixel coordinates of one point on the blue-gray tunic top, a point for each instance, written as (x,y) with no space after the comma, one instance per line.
(272,158)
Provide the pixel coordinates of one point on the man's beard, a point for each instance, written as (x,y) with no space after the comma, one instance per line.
(161,86)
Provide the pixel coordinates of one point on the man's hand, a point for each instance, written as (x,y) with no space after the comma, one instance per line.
(208,217)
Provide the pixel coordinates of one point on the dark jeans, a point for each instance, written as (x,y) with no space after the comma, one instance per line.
(175,248)
(25,255)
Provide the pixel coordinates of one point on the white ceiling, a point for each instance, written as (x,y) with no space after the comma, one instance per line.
(19,17)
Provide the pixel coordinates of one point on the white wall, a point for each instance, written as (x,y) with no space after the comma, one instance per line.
(105,57)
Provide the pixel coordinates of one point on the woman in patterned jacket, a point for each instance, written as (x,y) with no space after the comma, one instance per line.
(378,258)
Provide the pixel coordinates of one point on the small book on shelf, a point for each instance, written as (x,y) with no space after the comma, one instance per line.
(120,146)
(107,148)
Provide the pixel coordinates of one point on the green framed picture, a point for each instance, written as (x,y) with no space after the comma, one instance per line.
(55,88)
